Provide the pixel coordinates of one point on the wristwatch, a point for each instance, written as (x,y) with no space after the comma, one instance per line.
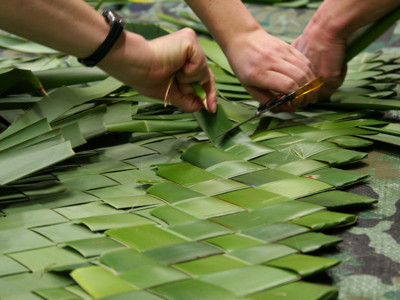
(117,25)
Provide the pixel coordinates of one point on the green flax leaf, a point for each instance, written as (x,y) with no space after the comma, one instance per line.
(152,126)
(325,219)
(210,265)
(154,275)
(47,258)
(251,279)
(310,241)
(299,290)
(99,282)
(144,237)
(31,159)
(304,265)
(193,289)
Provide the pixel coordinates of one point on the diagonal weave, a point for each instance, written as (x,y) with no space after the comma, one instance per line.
(167,215)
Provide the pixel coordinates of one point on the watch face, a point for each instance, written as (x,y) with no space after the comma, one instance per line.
(112,17)
(109,15)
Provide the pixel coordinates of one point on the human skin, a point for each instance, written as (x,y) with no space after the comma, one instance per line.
(264,64)
(325,38)
(75,28)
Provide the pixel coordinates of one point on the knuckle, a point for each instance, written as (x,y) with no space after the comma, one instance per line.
(290,85)
(249,76)
(310,69)
(211,75)
(188,32)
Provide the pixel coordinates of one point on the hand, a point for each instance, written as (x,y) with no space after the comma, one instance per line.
(266,65)
(149,67)
(327,55)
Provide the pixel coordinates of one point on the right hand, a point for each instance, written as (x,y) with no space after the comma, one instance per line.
(148,67)
(327,55)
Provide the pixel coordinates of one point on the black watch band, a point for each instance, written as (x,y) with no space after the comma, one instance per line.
(116,27)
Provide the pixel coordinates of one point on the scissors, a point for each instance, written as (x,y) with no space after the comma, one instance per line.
(278,100)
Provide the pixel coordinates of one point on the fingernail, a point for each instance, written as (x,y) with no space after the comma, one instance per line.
(205,103)
(214,107)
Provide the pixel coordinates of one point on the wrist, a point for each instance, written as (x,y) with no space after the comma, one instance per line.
(245,43)
(341,19)
(129,60)
(324,30)
(241,43)
(225,19)
(116,27)
(237,34)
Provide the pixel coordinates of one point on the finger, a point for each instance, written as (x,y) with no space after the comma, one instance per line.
(185,88)
(211,92)
(291,62)
(312,97)
(261,95)
(325,93)
(308,99)
(297,102)
(302,62)
(317,95)
(189,90)
(300,75)
(331,85)
(195,68)
(209,87)
(277,82)
(285,107)
(189,102)
(193,72)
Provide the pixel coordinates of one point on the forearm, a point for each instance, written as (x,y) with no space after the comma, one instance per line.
(75,28)
(71,26)
(263,63)
(339,19)
(225,19)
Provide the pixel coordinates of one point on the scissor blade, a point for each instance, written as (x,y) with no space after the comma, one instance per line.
(278,100)
(261,110)
(234,127)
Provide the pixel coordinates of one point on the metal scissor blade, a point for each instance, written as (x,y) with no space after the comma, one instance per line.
(276,101)
(279,99)
(233,128)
